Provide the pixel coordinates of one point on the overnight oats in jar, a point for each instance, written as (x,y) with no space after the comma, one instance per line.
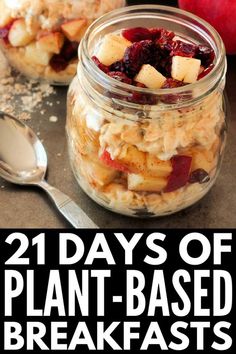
(146,116)
(40,38)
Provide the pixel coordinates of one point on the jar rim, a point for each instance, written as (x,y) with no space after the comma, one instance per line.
(218,70)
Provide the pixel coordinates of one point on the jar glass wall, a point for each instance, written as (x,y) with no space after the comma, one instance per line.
(132,157)
(40,38)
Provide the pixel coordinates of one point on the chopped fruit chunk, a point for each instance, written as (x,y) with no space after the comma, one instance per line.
(158,168)
(134,159)
(180,175)
(150,77)
(203,160)
(51,42)
(142,183)
(185,69)
(136,55)
(199,176)
(184,49)
(136,34)
(74,29)
(19,35)
(112,49)
(119,76)
(107,160)
(69,50)
(172,83)
(101,66)
(35,55)
(98,175)
(206,55)
(58,63)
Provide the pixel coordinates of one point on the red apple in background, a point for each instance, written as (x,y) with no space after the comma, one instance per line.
(221,14)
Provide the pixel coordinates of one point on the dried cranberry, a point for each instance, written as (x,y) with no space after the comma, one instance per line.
(180,175)
(199,176)
(142,98)
(136,34)
(155,33)
(206,55)
(101,66)
(117,75)
(118,66)
(58,63)
(136,55)
(206,71)
(165,36)
(172,83)
(183,49)
(69,50)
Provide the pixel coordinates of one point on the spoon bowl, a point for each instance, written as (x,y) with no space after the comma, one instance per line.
(23,161)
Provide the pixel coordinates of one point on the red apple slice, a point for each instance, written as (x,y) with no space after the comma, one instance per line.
(107,160)
(180,175)
(51,42)
(74,29)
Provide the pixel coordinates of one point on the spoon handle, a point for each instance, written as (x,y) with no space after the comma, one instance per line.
(69,209)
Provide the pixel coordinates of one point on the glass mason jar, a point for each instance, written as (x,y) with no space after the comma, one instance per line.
(40,38)
(124,153)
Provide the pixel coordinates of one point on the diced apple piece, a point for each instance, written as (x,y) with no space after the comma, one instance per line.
(150,77)
(134,159)
(158,168)
(203,160)
(51,42)
(112,49)
(36,55)
(185,69)
(142,183)
(74,29)
(180,175)
(99,175)
(19,36)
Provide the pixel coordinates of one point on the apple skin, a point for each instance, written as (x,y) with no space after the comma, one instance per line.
(221,14)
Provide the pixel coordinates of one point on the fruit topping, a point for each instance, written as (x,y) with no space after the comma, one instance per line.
(154,58)
(59,62)
(206,71)
(184,49)
(172,83)
(185,69)
(74,29)
(101,66)
(19,35)
(199,176)
(136,55)
(51,42)
(150,77)
(180,175)
(137,34)
(112,49)
(206,55)
(117,75)
(118,66)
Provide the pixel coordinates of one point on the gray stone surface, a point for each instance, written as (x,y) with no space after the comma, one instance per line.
(31,208)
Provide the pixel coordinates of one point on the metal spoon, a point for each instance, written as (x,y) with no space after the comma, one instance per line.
(23,161)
